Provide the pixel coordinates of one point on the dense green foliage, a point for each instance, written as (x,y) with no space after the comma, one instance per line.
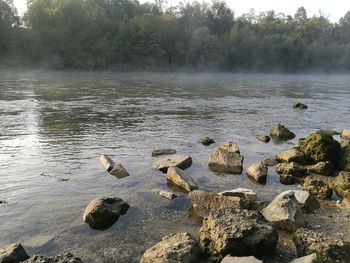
(124,34)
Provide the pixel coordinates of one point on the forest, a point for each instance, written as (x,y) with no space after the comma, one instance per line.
(192,36)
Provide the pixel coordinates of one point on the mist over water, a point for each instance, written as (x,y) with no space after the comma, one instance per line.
(54,126)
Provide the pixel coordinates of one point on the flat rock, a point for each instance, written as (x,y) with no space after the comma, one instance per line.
(328,247)
(307,202)
(270,161)
(13,253)
(312,258)
(206,141)
(230,259)
(292,168)
(103,212)
(205,203)
(291,155)
(341,185)
(66,258)
(180,178)
(258,172)
(180,161)
(173,248)
(329,132)
(227,159)
(237,233)
(165,151)
(345,134)
(279,132)
(263,138)
(317,188)
(167,195)
(243,193)
(285,212)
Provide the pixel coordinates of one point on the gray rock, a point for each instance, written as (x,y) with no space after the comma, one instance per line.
(279,132)
(328,247)
(341,185)
(165,151)
(285,212)
(13,253)
(206,141)
(345,134)
(206,203)
(307,202)
(300,106)
(167,195)
(292,168)
(174,248)
(258,172)
(325,168)
(317,188)
(238,233)
(263,138)
(243,193)
(67,258)
(180,178)
(180,161)
(106,162)
(271,161)
(119,171)
(103,212)
(230,259)
(312,258)
(291,155)
(226,158)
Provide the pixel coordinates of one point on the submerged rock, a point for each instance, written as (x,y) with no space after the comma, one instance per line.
(328,248)
(13,253)
(279,132)
(165,151)
(307,202)
(206,141)
(300,106)
(341,185)
(230,259)
(237,233)
(345,134)
(174,248)
(226,158)
(285,212)
(263,138)
(103,212)
(167,195)
(180,161)
(291,155)
(206,203)
(312,258)
(270,161)
(288,179)
(66,258)
(180,178)
(317,188)
(293,169)
(258,172)
(243,193)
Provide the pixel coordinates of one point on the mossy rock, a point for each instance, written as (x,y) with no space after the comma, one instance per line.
(320,147)
(346,158)
(341,184)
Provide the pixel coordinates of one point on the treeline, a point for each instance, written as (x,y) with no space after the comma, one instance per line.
(124,34)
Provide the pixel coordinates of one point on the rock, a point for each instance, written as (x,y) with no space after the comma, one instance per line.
(206,141)
(317,188)
(325,168)
(291,155)
(287,179)
(344,143)
(13,253)
(293,169)
(166,151)
(103,212)
(271,161)
(67,258)
(119,171)
(226,158)
(285,212)
(329,132)
(178,177)
(174,248)
(328,248)
(180,161)
(300,106)
(345,134)
(279,132)
(312,258)
(345,164)
(341,185)
(243,193)
(307,202)
(258,172)
(167,195)
(106,162)
(205,203)
(238,233)
(318,147)
(251,259)
(263,138)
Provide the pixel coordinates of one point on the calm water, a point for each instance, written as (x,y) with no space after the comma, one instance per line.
(55,125)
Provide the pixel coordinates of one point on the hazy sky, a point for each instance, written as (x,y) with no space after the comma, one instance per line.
(332,8)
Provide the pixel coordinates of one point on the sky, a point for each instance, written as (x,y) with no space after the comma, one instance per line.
(333,9)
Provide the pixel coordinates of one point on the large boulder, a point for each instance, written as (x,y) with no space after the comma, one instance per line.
(205,203)
(320,147)
(285,212)
(325,168)
(174,248)
(294,169)
(243,193)
(180,178)
(341,185)
(258,172)
(345,134)
(279,132)
(312,258)
(103,212)
(227,159)
(307,202)
(328,248)
(230,259)
(317,188)
(180,161)
(164,151)
(238,233)
(13,253)
(66,258)
(291,155)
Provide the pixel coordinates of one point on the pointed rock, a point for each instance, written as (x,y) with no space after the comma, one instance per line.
(13,253)
(279,132)
(307,202)
(180,178)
